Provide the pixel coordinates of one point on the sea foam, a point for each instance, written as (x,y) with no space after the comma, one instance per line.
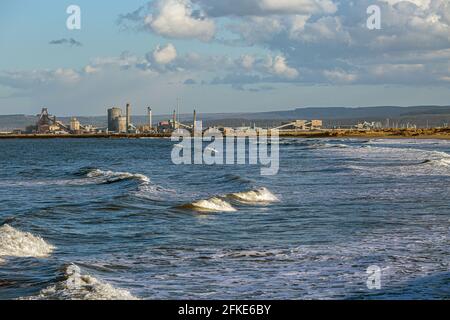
(261,195)
(113,176)
(78,286)
(15,243)
(213,204)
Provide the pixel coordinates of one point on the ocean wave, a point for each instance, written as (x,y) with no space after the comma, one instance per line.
(15,243)
(78,286)
(214,204)
(220,203)
(444,162)
(113,176)
(261,195)
(153,192)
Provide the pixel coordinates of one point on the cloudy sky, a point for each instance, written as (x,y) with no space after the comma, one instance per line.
(221,55)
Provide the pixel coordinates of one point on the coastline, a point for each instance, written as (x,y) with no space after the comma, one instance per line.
(435,133)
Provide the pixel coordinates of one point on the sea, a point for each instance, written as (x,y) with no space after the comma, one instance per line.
(116,219)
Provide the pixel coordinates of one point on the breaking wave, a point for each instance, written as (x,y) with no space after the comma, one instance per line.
(15,243)
(77,286)
(445,162)
(219,203)
(214,204)
(261,195)
(113,176)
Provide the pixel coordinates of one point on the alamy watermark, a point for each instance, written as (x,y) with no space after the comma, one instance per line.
(238,147)
(73,22)
(374,19)
(374,278)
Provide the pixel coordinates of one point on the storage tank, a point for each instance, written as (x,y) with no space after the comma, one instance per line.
(113,114)
(121,124)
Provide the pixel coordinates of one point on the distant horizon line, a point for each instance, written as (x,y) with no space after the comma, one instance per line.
(248,112)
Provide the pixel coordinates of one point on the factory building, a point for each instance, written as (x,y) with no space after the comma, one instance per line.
(305,125)
(119,123)
(74,125)
(113,115)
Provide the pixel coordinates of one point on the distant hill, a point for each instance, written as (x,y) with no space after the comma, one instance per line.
(332,116)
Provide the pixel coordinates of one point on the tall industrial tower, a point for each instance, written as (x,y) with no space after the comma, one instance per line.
(128,117)
(150,120)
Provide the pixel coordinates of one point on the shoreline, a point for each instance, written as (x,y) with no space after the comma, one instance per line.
(424,134)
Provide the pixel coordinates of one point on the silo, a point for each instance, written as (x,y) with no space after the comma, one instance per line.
(113,114)
(121,124)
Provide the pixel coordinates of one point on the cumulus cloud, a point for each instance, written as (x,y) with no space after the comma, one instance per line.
(299,41)
(176,19)
(220,8)
(247,61)
(340,76)
(39,78)
(279,67)
(165,55)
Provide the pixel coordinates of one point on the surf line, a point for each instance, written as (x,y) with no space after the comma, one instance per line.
(191,149)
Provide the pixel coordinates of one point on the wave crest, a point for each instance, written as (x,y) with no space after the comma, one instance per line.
(214,204)
(77,286)
(15,243)
(261,195)
(445,162)
(112,176)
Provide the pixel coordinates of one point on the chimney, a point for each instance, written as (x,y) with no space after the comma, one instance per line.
(150,124)
(174,119)
(128,117)
(195,119)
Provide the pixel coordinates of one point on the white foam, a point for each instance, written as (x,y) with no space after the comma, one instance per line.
(112,176)
(212,205)
(77,286)
(262,195)
(445,162)
(15,243)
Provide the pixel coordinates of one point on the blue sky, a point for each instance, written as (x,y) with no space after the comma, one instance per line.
(221,56)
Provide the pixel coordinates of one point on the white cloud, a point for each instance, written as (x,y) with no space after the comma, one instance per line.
(39,78)
(247,61)
(220,8)
(324,29)
(297,6)
(279,67)
(340,76)
(425,4)
(175,19)
(90,69)
(165,55)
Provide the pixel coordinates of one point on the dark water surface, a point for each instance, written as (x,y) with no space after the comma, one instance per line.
(111,210)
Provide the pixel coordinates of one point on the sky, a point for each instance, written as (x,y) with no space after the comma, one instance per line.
(221,55)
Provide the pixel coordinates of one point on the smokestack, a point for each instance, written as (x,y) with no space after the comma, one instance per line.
(150,124)
(195,119)
(128,117)
(174,119)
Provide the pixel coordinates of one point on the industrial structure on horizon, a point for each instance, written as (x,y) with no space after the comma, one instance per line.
(120,123)
(47,123)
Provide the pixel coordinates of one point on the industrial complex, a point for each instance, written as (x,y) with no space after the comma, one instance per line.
(120,122)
